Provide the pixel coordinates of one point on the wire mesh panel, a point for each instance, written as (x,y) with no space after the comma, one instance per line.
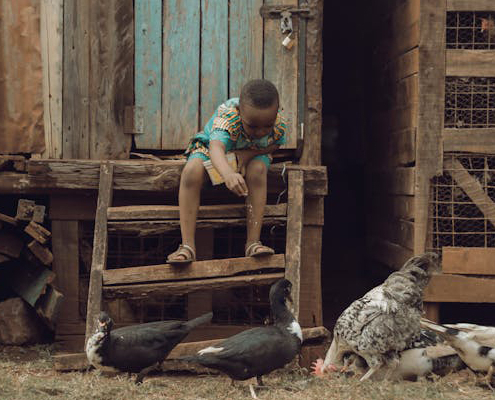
(469,102)
(455,219)
(473,30)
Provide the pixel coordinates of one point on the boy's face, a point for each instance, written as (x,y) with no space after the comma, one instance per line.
(258,122)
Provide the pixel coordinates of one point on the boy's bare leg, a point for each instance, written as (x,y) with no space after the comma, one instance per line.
(256,178)
(191,181)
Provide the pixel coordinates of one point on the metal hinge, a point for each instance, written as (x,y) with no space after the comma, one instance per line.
(275,11)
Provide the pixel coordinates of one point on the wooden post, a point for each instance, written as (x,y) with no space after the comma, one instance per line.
(100,247)
(295,210)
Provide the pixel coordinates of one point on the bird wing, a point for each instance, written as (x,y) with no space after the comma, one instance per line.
(484,335)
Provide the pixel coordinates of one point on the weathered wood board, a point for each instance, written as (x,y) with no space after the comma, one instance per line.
(468,260)
(181,72)
(447,288)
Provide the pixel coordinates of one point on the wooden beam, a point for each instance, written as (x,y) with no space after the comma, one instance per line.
(293,244)
(65,247)
(179,287)
(468,260)
(172,212)
(10,244)
(480,140)
(52,28)
(100,247)
(470,5)
(430,113)
(195,270)
(470,63)
(472,187)
(37,232)
(133,175)
(41,252)
(446,288)
(8,219)
(387,253)
(144,228)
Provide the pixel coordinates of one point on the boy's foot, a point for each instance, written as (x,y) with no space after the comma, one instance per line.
(257,249)
(185,254)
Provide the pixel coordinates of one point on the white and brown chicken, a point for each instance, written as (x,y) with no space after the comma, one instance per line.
(384,322)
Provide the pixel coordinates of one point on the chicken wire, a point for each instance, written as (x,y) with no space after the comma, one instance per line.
(473,30)
(455,220)
(469,102)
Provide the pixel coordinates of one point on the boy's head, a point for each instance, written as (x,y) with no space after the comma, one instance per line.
(258,107)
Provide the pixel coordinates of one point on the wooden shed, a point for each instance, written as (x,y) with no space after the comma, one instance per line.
(431,154)
(118,88)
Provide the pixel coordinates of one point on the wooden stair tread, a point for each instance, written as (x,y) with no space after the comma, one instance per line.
(145,212)
(146,290)
(155,227)
(195,270)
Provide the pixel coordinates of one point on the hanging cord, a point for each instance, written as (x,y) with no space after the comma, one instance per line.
(272,229)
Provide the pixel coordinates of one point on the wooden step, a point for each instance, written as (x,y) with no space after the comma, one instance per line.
(156,227)
(141,291)
(149,212)
(196,270)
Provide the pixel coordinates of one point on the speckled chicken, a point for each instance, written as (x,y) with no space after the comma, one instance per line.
(386,320)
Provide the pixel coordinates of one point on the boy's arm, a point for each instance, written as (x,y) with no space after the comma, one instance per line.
(233,180)
(245,155)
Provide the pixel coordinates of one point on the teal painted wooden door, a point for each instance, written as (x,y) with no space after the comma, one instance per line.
(191,55)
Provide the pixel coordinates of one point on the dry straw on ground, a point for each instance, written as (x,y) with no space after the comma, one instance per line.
(27,373)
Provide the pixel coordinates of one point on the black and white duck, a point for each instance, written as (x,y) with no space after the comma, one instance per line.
(258,351)
(136,348)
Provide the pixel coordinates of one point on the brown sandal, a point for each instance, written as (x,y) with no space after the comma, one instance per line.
(183,250)
(257,249)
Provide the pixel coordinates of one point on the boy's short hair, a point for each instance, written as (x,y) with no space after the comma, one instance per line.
(259,93)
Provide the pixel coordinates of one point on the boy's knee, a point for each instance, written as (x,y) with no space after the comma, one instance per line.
(193,174)
(256,172)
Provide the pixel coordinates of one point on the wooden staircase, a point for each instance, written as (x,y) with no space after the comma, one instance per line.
(144,281)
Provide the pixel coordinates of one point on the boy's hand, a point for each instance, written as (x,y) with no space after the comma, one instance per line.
(236,183)
(243,158)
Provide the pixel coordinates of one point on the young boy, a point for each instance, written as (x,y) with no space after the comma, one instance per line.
(252,127)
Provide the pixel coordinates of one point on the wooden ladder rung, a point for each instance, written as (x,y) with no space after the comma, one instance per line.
(196,270)
(146,290)
(149,212)
(155,227)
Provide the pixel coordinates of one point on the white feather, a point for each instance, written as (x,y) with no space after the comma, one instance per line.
(295,329)
(210,349)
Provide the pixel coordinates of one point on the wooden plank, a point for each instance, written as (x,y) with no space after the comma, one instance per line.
(181,46)
(76,78)
(111,77)
(52,28)
(9,220)
(37,232)
(293,244)
(481,140)
(48,306)
(470,63)
(175,288)
(65,247)
(172,212)
(472,187)
(100,247)
(470,5)
(430,113)
(394,181)
(468,260)
(446,288)
(214,76)
(391,206)
(387,253)
(144,228)
(394,230)
(404,65)
(137,175)
(196,270)
(280,66)
(245,44)
(311,154)
(42,253)
(29,281)
(148,72)
(314,211)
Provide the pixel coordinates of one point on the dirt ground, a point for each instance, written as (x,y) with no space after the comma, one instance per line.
(27,373)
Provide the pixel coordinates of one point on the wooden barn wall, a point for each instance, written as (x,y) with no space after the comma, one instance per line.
(98,54)
(391,147)
(21,93)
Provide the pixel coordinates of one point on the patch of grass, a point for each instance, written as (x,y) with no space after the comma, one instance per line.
(27,374)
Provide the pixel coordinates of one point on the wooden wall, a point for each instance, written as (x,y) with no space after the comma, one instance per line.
(391,144)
